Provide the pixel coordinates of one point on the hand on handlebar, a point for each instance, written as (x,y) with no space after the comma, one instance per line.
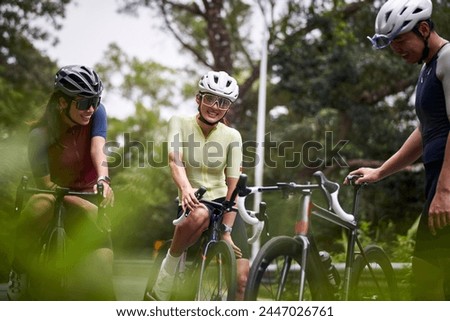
(108,195)
(362,175)
(189,200)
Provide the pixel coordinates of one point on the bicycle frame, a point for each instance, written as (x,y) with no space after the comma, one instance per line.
(310,255)
(213,237)
(208,240)
(352,229)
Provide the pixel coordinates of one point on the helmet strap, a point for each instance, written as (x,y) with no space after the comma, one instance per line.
(426,49)
(425,52)
(67,113)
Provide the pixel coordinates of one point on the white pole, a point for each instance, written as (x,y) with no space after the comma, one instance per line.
(260,130)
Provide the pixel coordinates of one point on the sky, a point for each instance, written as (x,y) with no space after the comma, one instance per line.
(90,26)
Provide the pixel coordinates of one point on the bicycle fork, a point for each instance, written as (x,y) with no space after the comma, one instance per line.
(352,240)
(202,271)
(305,246)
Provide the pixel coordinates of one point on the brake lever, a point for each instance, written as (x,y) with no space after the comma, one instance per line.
(262,216)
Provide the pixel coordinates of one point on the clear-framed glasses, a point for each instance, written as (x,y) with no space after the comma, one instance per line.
(222,102)
(86,103)
(382,41)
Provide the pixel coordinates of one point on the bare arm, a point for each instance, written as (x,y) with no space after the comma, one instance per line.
(229,217)
(410,151)
(45,182)
(439,211)
(179,176)
(101,167)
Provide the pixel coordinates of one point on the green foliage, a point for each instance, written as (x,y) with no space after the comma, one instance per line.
(26,80)
(137,153)
(322,73)
(26,74)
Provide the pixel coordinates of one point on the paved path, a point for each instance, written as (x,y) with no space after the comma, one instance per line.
(130,279)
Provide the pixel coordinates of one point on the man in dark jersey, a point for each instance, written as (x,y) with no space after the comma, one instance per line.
(406,27)
(66,149)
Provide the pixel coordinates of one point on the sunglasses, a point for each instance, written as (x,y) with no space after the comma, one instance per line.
(222,102)
(382,41)
(86,103)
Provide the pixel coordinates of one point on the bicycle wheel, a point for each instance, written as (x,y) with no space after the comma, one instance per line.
(50,280)
(375,283)
(275,273)
(217,274)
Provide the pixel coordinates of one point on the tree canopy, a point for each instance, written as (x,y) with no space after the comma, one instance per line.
(333,103)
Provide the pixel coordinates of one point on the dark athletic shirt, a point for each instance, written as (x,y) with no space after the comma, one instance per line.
(432,111)
(68,162)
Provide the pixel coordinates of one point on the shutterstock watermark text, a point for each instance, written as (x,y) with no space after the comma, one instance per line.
(284,154)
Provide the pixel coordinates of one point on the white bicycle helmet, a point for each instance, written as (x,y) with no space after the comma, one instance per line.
(219,83)
(76,80)
(397,17)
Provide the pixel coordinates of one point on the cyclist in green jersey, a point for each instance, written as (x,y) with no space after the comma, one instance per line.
(203,151)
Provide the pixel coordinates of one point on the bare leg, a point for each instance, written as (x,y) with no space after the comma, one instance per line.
(185,235)
(189,231)
(32,222)
(243,268)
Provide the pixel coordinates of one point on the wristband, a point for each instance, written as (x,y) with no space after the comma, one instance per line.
(106,179)
(225,228)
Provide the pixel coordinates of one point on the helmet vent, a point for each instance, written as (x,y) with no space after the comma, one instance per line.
(388,14)
(404,9)
(406,23)
(68,85)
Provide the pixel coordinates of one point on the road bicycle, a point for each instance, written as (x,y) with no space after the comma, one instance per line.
(48,281)
(293,268)
(206,272)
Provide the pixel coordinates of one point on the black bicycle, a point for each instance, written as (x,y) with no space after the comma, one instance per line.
(207,271)
(293,268)
(49,280)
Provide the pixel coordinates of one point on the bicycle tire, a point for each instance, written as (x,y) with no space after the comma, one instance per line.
(216,277)
(381,285)
(275,273)
(49,281)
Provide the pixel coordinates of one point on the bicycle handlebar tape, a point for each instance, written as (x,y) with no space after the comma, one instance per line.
(331,190)
(100,193)
(200,192)
(198,195)
(228,205)
(241,186)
